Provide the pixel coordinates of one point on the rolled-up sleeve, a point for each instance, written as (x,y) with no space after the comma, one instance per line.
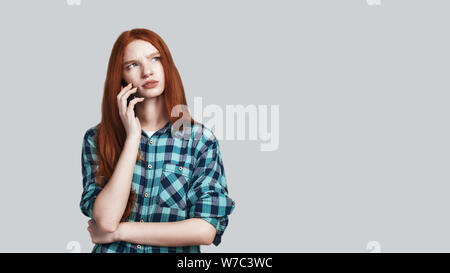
(89,166)
(208,194)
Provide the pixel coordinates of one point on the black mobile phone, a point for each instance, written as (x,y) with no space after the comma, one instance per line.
(132,96)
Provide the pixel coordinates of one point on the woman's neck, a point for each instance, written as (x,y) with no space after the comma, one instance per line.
(152,113)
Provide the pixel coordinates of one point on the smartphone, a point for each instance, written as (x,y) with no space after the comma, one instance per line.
(132,96)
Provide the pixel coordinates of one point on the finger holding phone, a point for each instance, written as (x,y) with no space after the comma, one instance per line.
(126,101)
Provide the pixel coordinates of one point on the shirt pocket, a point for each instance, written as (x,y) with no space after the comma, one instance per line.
(173,186)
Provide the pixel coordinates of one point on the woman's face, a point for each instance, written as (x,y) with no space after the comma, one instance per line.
(141,65)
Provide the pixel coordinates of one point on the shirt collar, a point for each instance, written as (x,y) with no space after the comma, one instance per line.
(165,128)
(160,131)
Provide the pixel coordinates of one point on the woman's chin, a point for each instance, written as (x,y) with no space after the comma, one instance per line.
(150,93)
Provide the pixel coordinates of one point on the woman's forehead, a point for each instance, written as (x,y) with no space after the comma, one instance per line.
(138,48)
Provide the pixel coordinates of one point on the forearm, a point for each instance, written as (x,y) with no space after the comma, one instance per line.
(194,231)
(111,202)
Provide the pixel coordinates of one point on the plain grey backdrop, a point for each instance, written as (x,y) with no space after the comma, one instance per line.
(363,92)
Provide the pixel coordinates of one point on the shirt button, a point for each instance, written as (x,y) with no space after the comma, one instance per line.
(149,166)
(151,141)
(180,168)
(146,194)
(142,220)
(139,246)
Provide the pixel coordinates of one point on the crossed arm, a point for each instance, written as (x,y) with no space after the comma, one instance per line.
(193,231)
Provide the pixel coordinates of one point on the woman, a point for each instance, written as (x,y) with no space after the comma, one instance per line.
(146,188)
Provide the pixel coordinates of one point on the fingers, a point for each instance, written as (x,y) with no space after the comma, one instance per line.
(124,89)
(133,102)
(119,97)
(123,100)
(128,93)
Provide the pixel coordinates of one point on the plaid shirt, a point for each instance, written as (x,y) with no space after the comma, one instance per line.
(179,179)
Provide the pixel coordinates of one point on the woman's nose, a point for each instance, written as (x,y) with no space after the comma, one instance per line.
(147,71)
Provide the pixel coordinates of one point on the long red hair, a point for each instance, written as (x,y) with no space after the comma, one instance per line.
(111,134)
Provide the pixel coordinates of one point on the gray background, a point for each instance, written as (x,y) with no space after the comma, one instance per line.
(363,94)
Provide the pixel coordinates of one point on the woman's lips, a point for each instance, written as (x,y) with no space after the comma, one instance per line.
(150,85)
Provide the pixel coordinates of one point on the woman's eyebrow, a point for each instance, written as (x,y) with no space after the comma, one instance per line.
(148,56)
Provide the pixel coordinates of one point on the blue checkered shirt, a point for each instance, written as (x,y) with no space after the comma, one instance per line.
(180,178)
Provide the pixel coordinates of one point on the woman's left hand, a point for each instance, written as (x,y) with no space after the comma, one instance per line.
(99,236)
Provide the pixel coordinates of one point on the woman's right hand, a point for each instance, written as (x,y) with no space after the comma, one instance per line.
(127,115)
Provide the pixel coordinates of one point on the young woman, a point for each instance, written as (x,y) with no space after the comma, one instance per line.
(146,188)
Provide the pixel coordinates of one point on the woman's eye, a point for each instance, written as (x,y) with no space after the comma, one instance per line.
(130,65)
(157,58)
